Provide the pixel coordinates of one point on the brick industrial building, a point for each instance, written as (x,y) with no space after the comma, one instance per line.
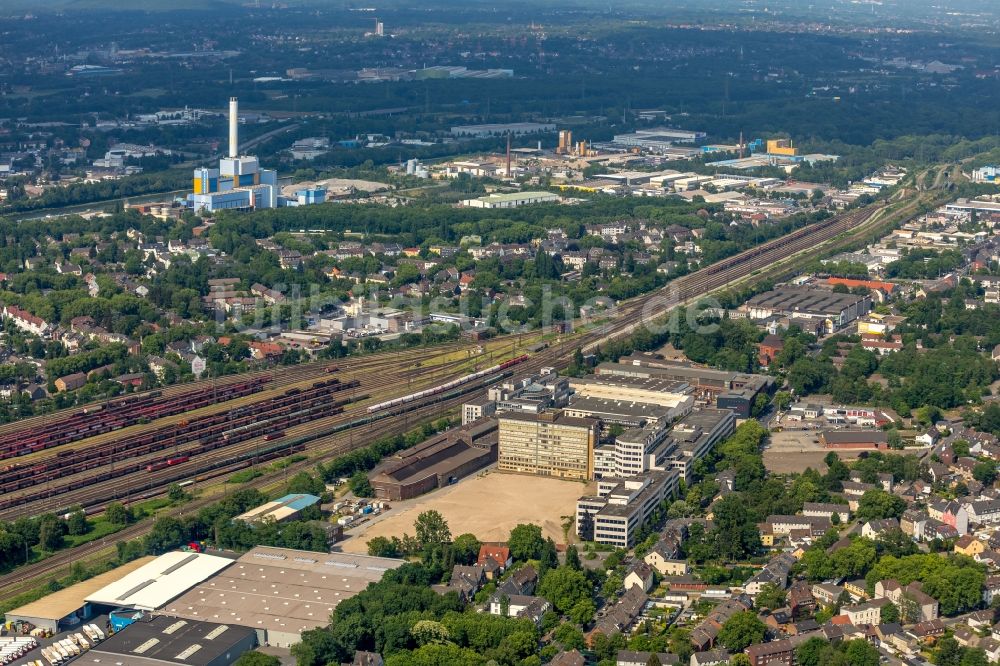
(436,462)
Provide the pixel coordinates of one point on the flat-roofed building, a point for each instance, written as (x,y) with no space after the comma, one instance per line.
(622,506)
(698,433)
(548,444)
(280,592)
(511,199)
(707,383)
(625,412)
(169,640)
(654,390)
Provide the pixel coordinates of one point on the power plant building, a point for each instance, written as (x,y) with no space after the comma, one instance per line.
(239,183)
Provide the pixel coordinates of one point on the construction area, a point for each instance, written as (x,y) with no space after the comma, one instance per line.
(488,505)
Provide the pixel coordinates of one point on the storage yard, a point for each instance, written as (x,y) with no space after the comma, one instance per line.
(500,501)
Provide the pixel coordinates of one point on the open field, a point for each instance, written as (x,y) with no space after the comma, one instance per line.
(488,506)
(794,450)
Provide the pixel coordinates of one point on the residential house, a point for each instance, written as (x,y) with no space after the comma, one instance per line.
(522,581)
(518,605)
(969,545)
(710,658)
(465,581)
(640,575)
(827,593)
(873,529)
(775,653)
(984,512)
(70,382)
(571,658)
(914,604)
(866,612)
(630,658)
(499,553)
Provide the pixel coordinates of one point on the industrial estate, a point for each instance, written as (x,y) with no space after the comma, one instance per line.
(525,335)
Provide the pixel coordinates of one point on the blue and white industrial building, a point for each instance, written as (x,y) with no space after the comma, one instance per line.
(240,183)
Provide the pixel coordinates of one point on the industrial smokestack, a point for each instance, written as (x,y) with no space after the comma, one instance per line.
(234,119)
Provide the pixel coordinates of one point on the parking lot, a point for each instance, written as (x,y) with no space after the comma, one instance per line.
(794,450)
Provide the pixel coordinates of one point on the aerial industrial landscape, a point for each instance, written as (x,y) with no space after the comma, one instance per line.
(463,334)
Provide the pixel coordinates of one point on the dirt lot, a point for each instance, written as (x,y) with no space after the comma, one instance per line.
(336,186)
(487,506)
(794,450)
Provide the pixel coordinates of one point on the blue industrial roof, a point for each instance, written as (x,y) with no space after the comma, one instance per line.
(297,501)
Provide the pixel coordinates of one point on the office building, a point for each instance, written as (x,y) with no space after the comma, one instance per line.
(548,444)
(622,506)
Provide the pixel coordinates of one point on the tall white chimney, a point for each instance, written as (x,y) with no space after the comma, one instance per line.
(234,119)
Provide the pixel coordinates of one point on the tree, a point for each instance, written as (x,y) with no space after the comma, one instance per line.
(526,542)
(51,531)
(360,485)
(812,652)
(257,659)
(381,546)
(176,494)
(573,558)
(985,473)
(569,636)
(77,523)
(429,631)
(770,596)
(117,514)
(431,529)
(889,613)
(565,587)
(782,400)
(740,660)
(742,630)
(877,503)
(465,548)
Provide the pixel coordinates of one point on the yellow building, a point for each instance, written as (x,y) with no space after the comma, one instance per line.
(969,545)
(781,147)
(547,444)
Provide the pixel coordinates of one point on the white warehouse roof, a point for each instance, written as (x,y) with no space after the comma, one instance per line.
(163,579)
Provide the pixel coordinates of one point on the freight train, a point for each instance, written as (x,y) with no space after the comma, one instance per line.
(444,388)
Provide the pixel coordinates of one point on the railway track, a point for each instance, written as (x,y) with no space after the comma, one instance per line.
(24,578)
(92,489)
(631,315)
